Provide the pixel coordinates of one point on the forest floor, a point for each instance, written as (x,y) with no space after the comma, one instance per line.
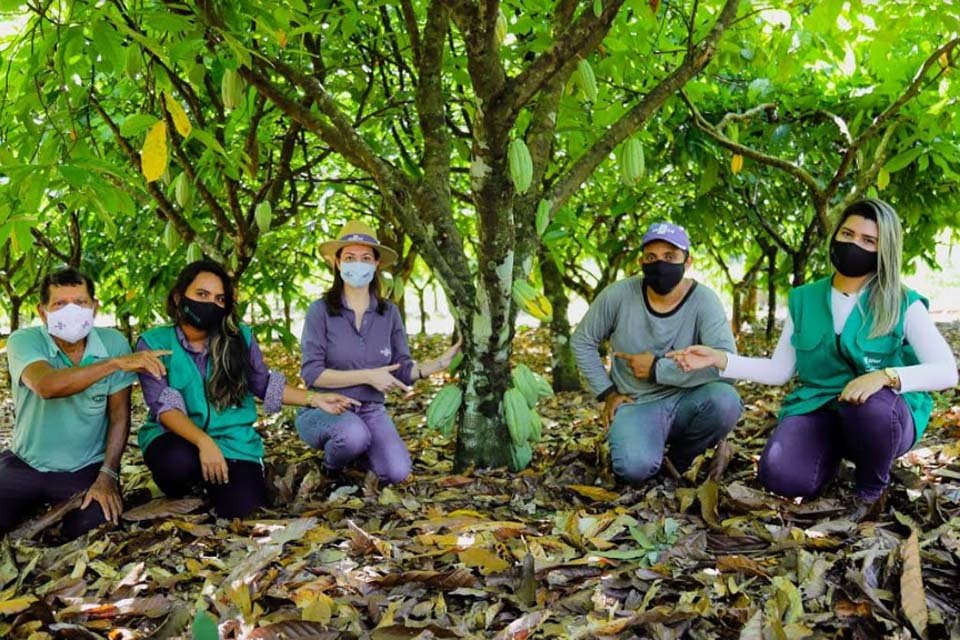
(557,551)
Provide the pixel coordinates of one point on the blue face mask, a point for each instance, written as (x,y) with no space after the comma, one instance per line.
(357,274)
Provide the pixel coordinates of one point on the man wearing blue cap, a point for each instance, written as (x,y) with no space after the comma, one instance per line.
(649,402)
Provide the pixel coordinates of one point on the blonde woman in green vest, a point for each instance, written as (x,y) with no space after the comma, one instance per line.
(199,432)
(866,353)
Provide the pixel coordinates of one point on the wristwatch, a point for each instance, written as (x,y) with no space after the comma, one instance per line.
(893,376)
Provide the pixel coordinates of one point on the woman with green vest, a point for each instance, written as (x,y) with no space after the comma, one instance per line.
(866,353)
(199,432)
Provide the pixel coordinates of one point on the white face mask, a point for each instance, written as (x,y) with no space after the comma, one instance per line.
(70,323)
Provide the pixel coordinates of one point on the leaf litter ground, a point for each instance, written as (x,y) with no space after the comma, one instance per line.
(557,551)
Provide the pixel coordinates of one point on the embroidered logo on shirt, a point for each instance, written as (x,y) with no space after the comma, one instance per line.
(385,352)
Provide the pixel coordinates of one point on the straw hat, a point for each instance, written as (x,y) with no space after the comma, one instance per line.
(356,232)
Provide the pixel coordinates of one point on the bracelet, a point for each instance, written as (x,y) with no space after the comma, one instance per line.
(107,471)
(310,396)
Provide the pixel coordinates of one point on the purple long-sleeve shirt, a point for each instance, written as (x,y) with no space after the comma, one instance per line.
(264,383)
(333,342)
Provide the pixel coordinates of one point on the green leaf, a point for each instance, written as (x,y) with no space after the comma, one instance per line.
(902,160)
(137,124)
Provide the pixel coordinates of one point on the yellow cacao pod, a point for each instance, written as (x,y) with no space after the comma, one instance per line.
(736,163)
(532,301)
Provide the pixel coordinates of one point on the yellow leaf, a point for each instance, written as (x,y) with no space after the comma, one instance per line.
(16,605)
(488,561)
(709,495)
(912,595)
(180,120)
(320,610)
(594,493)
(153,155)
(282,38)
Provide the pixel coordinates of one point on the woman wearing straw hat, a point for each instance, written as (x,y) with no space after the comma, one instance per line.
(354,343)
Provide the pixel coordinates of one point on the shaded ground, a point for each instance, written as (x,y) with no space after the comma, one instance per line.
(556,551)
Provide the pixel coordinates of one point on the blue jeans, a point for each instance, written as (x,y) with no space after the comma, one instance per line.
(690,422)
(367,433)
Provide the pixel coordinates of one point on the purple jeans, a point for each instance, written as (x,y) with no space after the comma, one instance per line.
(367,432)
(804,451)
(24,491)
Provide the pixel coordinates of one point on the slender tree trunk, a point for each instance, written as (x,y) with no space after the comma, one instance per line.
(562,363)
(771,291)
(422,305)
(737,296)
(15,304)
(748,309)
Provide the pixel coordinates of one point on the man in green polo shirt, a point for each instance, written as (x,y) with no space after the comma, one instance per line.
(71,393)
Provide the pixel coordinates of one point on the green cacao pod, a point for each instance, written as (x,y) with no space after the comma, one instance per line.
(231,89)
(518,416)
(182,191)
(521,165)
(442,412)
(194,253)
(536,426)
(587,81)
(134,62)
(520,456)
(171,239)
(263,214)
(500,30)
(524,381)
(631,161)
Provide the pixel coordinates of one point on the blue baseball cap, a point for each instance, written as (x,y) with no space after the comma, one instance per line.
(668,232)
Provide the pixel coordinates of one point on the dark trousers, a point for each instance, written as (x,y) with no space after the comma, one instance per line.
(175,465)
(804,451)
(24,492)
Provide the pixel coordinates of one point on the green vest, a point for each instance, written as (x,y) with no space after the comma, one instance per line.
(826,362)
(232,429)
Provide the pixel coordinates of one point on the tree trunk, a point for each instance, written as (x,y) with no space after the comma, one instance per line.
(748,309)
(422,305)
(15,304)
(737,296)
(562,363)
(483,439)
(771,291)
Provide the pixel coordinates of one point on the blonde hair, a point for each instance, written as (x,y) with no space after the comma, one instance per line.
(887,293)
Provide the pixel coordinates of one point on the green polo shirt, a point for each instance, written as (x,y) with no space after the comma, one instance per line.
(63,434)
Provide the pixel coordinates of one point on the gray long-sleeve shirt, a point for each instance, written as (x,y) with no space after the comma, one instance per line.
(621,313)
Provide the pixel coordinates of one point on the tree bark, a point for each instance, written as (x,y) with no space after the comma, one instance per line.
(563,366)
(771,290)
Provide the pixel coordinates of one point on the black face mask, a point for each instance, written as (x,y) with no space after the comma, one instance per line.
(662,276)
(851,259)
(205,316)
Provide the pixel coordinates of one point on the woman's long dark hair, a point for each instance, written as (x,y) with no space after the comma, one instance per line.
(229,352)
(334,295)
